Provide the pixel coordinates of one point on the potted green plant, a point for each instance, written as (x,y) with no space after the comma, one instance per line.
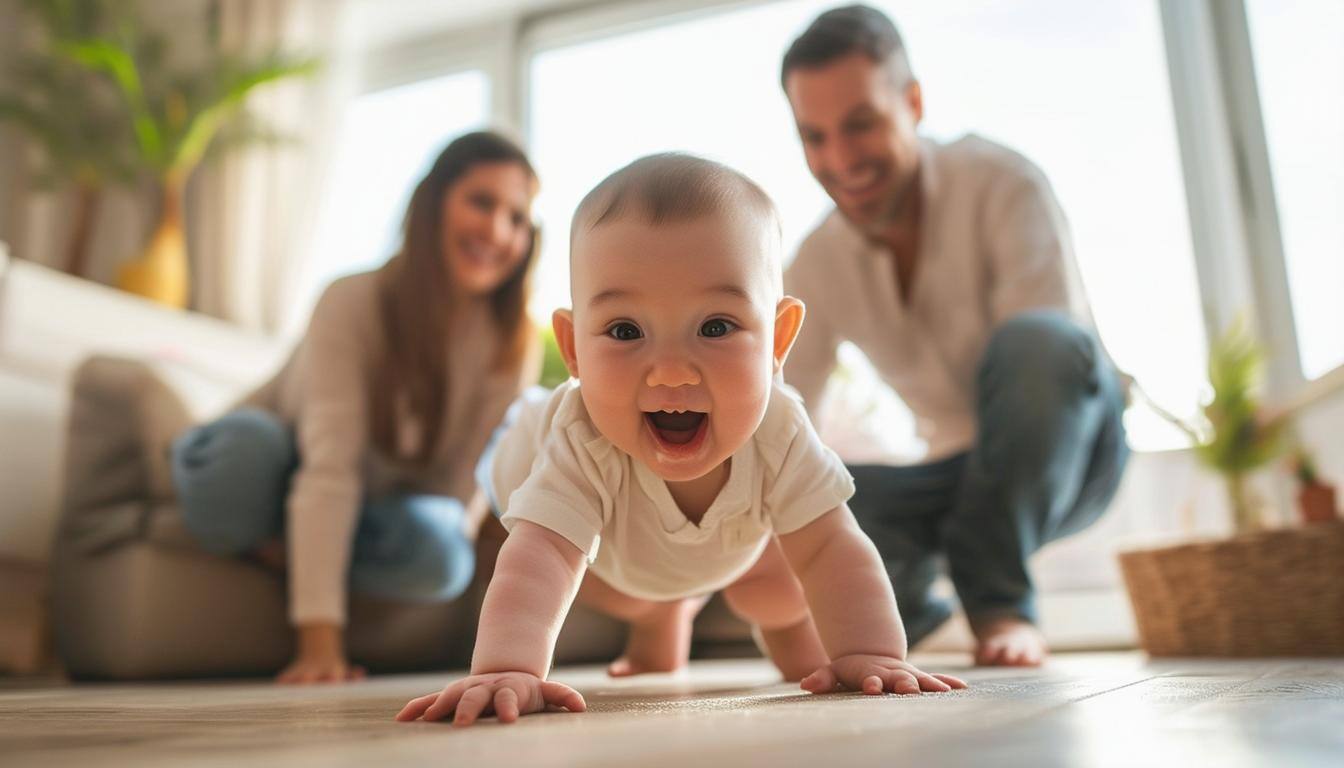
(1261,592)
(175,118)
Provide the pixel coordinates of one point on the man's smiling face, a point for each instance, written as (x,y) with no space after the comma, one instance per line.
(857,126)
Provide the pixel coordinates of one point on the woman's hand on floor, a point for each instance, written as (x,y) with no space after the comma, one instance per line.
(309,669)
(877,674)
(506,695)
(321,658)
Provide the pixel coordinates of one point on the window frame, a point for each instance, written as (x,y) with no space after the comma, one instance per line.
(1233,206)
(487,47)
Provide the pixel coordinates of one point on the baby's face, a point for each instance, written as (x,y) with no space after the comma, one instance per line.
(674,337)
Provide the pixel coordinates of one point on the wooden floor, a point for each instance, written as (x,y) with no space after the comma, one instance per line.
(1082,710)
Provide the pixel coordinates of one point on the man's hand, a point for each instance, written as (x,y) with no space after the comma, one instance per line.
(506,695)
(876,674)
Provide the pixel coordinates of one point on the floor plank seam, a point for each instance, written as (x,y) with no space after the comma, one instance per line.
(1094,695)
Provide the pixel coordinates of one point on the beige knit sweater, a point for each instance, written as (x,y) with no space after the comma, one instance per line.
(323,393)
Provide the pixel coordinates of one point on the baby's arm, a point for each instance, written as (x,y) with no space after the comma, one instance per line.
(535,581)
(850,597)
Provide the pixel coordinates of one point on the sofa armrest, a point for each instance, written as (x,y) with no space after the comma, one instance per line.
(122,421)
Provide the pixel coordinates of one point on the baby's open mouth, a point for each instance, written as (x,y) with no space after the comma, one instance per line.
(676,428)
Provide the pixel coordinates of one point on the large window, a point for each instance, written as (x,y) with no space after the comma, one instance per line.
(1299,65)
(387,142)
(1080,88)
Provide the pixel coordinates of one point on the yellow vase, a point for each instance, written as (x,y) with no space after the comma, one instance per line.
(160,273)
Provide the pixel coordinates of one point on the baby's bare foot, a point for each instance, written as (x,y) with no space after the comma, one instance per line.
(1008,641)
(658,642)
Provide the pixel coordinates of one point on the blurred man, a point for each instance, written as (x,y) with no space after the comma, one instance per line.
(951,267)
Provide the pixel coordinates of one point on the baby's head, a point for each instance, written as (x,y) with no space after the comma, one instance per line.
(679,322)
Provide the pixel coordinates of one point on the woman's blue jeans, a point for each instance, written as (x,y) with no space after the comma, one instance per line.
(232,478)
(1046,462)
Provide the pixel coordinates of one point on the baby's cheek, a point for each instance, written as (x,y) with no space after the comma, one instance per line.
(745,365)
(742,390)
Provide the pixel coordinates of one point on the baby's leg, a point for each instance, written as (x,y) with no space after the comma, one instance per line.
(660,632)
(771,597)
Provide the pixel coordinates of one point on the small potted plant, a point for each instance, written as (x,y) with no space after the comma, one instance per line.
(1316,499)
(1261,592)
(101,97)
(179,119)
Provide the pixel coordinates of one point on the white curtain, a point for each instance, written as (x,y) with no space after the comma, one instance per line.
(252,211)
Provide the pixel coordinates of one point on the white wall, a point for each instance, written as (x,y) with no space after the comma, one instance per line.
(1322,429)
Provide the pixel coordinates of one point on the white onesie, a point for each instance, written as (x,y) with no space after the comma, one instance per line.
(552,467)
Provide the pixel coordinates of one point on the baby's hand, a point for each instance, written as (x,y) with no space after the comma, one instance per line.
(876,674)
(506,695)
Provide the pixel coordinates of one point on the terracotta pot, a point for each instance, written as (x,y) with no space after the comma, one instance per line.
(1317,503)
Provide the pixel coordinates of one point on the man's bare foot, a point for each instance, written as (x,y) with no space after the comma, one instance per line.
(660,641)
(1008,641)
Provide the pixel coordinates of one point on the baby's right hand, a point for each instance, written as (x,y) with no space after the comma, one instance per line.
(506,695)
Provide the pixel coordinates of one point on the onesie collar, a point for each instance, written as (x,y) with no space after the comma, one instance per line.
(733,499)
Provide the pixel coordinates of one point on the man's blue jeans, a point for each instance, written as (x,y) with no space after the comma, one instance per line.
(1047,460)
(232,478)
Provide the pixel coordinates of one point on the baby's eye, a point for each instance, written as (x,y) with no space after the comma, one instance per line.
(716,328)
(625,332)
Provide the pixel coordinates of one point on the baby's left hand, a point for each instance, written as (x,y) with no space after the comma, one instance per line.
(875,675)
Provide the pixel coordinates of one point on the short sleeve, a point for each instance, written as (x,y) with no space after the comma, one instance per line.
(568,488)
(804,479)
(507,459)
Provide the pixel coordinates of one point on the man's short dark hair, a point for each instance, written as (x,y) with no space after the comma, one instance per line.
(843,31)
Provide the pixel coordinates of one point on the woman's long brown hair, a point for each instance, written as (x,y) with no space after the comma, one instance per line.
(416,304)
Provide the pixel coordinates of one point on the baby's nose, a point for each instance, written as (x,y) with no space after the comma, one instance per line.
(672,371)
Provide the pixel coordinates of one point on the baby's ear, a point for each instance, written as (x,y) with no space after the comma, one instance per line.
(562,322)
(788,321)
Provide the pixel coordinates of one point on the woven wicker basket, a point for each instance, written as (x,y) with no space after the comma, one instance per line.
(1274,593)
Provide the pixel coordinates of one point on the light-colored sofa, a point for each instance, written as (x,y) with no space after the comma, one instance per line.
(133,596)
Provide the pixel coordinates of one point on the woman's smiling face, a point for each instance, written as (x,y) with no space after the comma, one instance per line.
(487,225)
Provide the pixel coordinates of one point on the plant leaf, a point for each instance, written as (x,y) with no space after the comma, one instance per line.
(236,84)
(115,61)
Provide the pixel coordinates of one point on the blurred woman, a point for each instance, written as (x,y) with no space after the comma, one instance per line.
(352,465)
